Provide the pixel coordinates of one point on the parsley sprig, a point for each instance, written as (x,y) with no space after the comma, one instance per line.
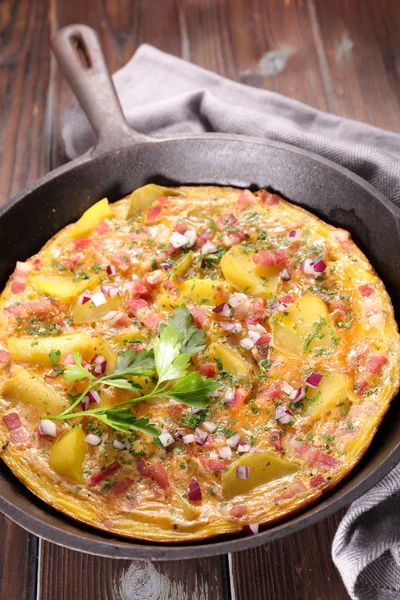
(169,360)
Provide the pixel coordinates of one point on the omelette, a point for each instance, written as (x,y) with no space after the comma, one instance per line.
(192,362)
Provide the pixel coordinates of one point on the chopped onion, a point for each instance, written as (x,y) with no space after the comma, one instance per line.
(243,447)
(94,397)
(225,452)
(232,327)
(120,445)
(85,403)
(200,436)
(294,235)
(210,427)
(319,267)
(98,299)
(111,270)
(173,402)
(285,275)
(188,439)
(110,315)
(111,290)
(253,336)
(92,439)
(314,379)
(233,441)
(191,237)
(208,248)
(237,299)
(250,529)
(194,410)
(242,472)
(99,364)
(166,266)
(283,414)
(222,309)
(247,343)
(194,491)
(166,438)
(229,395)
(306,266)
(47,427)
(257,328)
(178,240)
(297,395)
(86,297)
(287,388)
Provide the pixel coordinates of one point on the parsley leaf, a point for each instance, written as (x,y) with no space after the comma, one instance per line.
(54,356)
(124,420)
(193,339)
(76,372)
(133,364)
(193,390)
(170,364)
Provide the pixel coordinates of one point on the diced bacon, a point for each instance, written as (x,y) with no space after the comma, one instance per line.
(338,307)
(153,214)
(12,421)
(20,277)
(37,264)
(232,238)
(160,476)
(267,198)
(19,436)
(276,440)
(376,363)
(294,488)
(203,237)
(162,201)
(174,410)
(262,345)
(215,465)
(81,243)
(225,222)
(256,312)
(136,304)
(360,386)
(171,288)
(325,460)
(35,307)
(151,319)
(121,320)
(139,290)
(366,290)
(106,473)
(265,258)
(104,227)
(70,263)
(155,278)
(5,356)
(121,486)
(14,309)
(208,370)
(288,299)
(239,511)
(180,228)
(239,398)
(199,317)
(67,359)
(245,199)
(317,481)
(18,286)
(142,468)
(273,392)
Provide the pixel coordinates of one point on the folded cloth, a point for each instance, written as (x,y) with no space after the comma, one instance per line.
(162,95)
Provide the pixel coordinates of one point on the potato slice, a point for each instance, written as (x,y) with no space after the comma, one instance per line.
(304,327)
(231,360)
(144,197)
(130,337)
(89,313)
(32,390)
(239,269)
(90,219)
(207,291)
(36,352)
(67,455)
(101,346)
(63,287)
(263,467)
(184,264)
(334,388)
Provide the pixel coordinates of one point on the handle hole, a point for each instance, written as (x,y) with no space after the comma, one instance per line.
(81,50)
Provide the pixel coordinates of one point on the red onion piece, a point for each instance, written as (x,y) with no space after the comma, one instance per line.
(222,309)
(47,427)
(94,397)
(287,388)
(110,289)
(98,299)
(85,403)
(306,266)
(233,441)
(297,395)
(209,426)
(232,327)
(225,452)
(242,472)
(294,235)
(194,410)
(120,445)
(92,439)
(243,447)
(166,439)
(200,436)
(166,266)
(285,275)
(314,379)
(188,439)
(319,266)
(250,529)
(283,414)
(111,270)
(194,491)
(237,299)
(229,395)
(247,343)
(86,297)
(99,364)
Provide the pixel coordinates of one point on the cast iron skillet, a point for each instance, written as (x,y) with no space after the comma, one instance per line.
(123,160)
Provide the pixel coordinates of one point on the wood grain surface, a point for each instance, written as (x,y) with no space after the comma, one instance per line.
(340,56)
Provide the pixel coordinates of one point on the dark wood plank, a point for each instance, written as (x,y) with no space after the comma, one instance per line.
(74,576)
(298,567)
(361,40)
(18,562)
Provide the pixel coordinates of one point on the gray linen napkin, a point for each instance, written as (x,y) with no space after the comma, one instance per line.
(162,95)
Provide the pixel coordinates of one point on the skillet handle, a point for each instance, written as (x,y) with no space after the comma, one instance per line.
(78,52)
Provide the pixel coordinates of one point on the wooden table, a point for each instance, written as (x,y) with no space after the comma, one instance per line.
(341,56)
